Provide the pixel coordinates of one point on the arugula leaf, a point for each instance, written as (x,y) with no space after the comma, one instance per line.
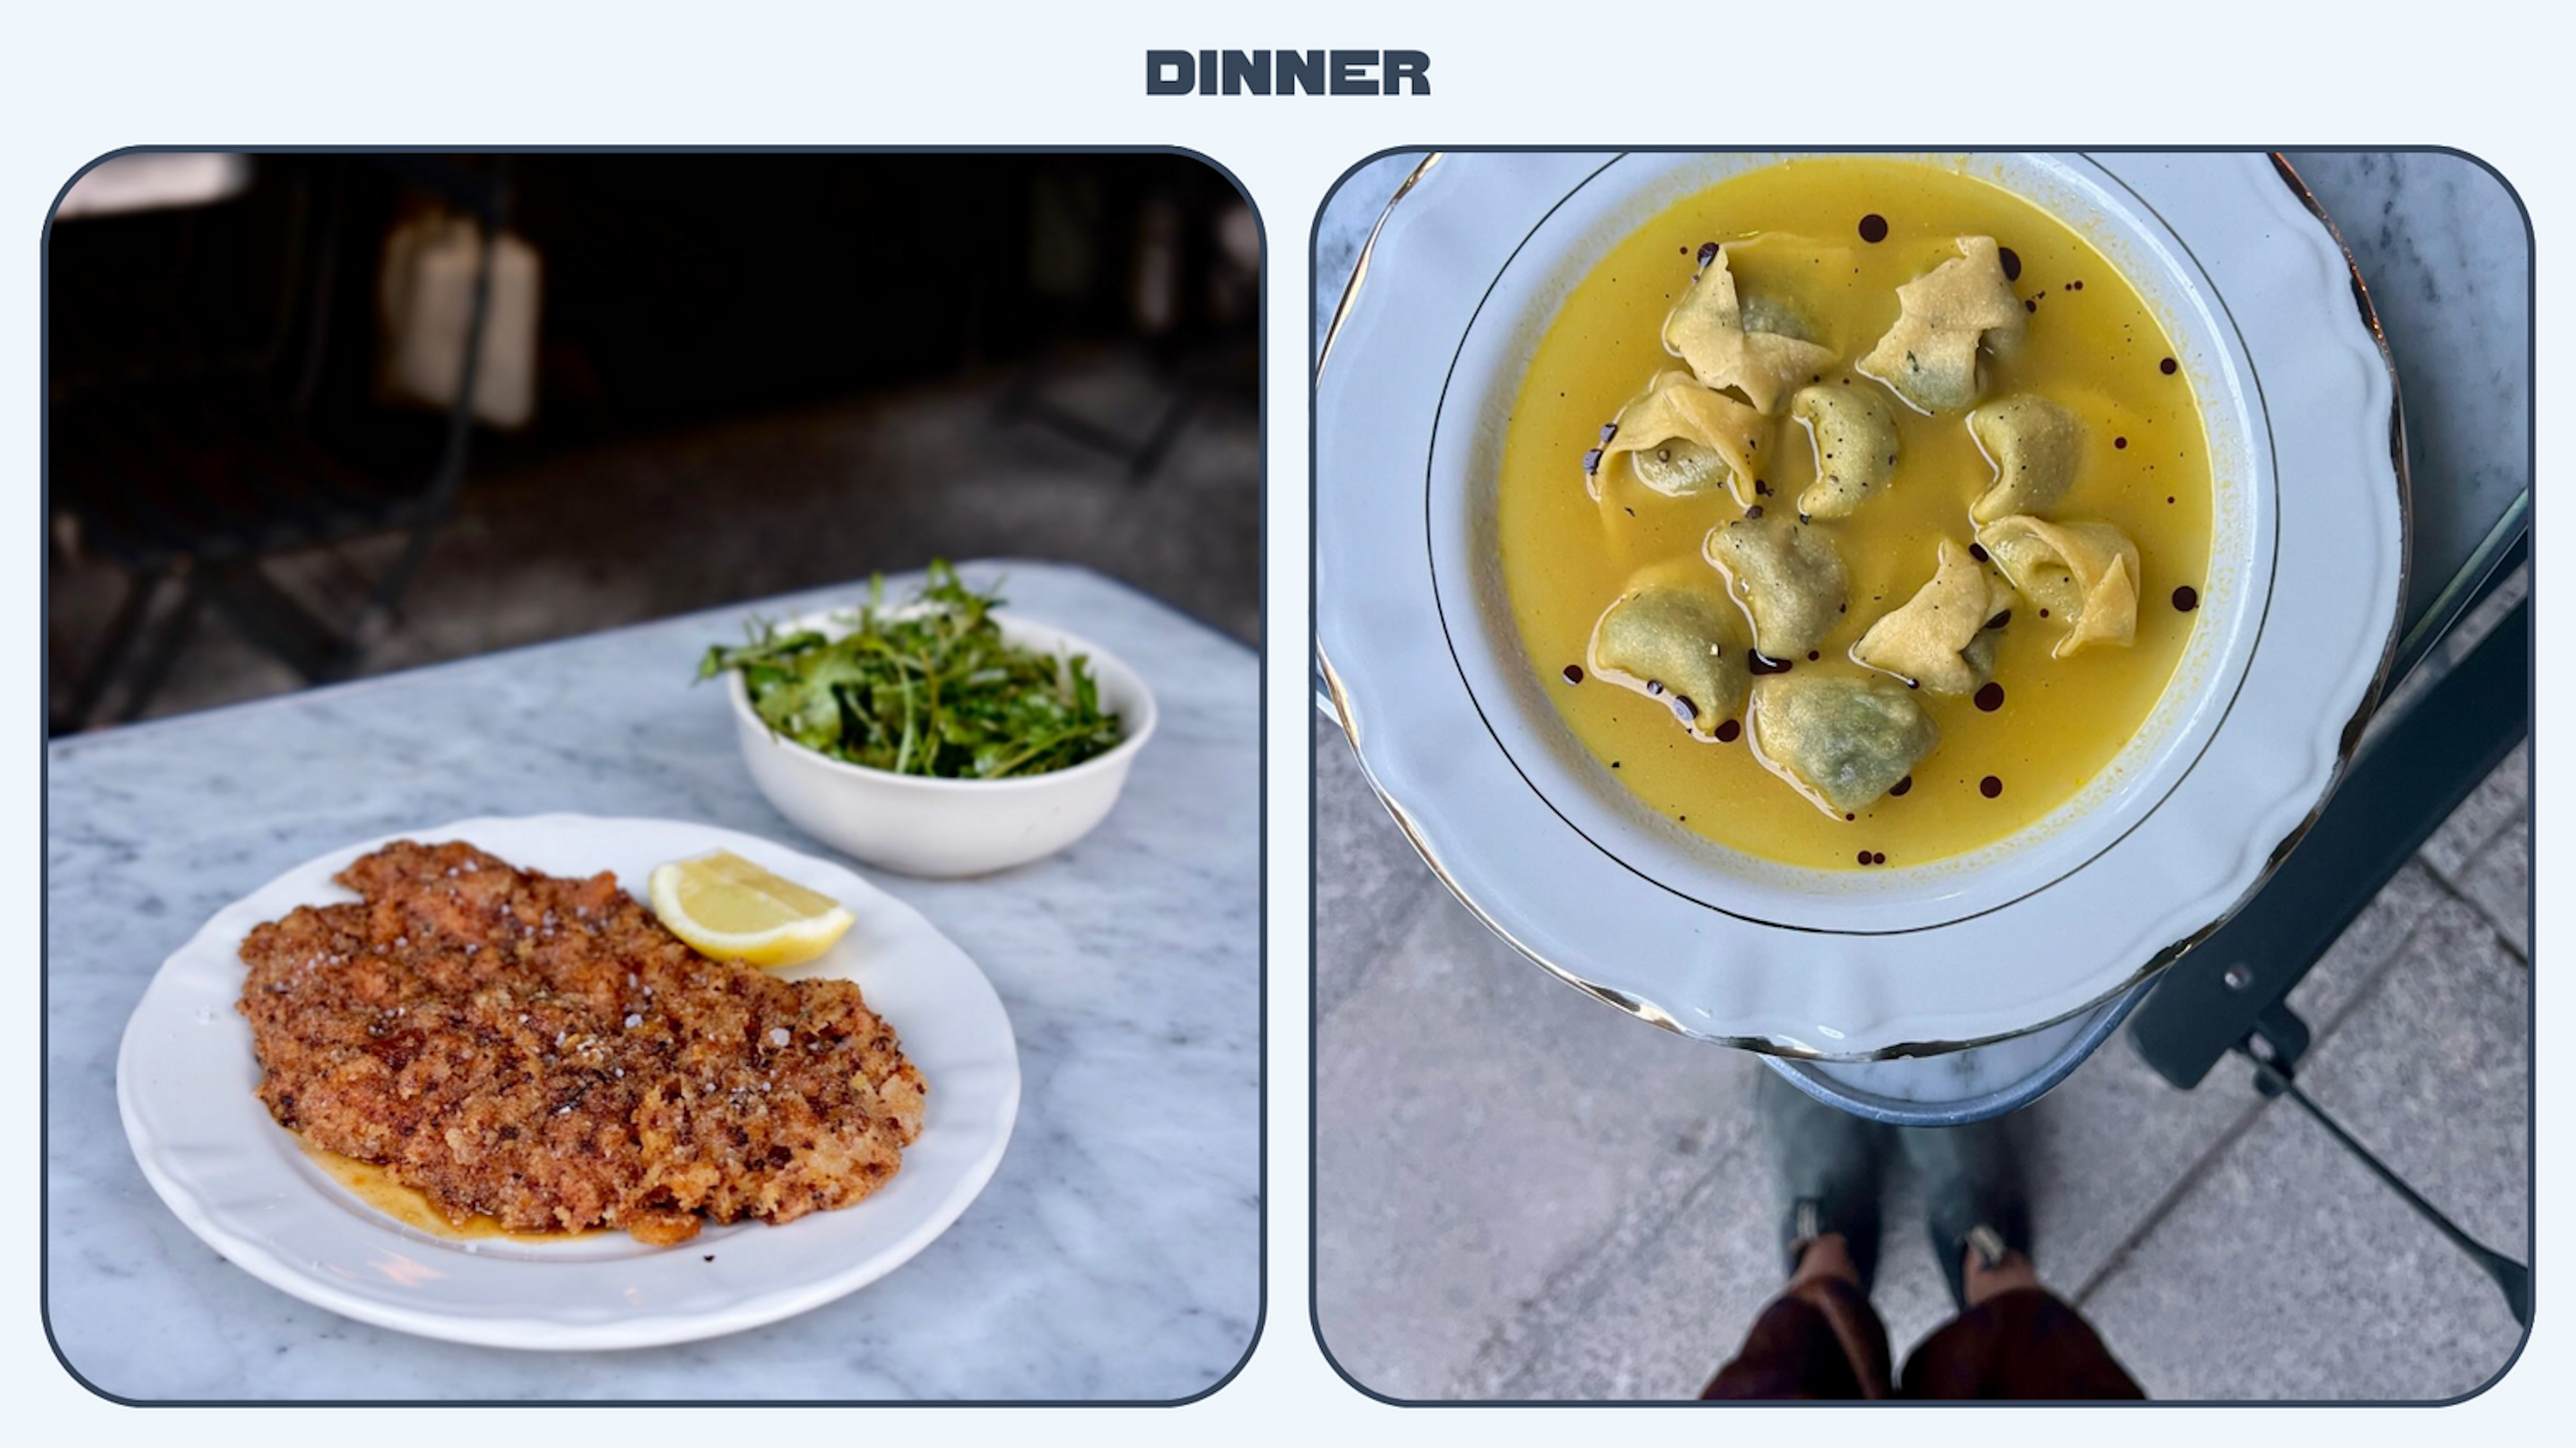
(930,688)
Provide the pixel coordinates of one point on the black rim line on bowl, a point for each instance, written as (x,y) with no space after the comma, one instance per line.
(2262,618)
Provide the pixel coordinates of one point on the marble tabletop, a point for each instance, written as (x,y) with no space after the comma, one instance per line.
(1116,1254)
(2446,253)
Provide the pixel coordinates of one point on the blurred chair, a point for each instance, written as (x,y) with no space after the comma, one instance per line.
(1174,263)
(191,475)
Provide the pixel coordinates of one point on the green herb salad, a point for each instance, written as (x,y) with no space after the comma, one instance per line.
(929,688)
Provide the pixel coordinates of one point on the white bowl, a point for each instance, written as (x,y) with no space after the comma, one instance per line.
(1416,641)
(949,827)
(1466,560)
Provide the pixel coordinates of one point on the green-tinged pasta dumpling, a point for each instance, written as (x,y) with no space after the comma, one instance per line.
(1682,440)
(1930,356)
(2084,574)
(1842,741)
(1680,645)
(1854,433)
(1944,637)
(2035,445)
(1777,317)
(1730,343)
(1789,575)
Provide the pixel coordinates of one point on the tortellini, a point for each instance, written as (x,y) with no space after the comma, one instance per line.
(1729,343)
(1854,433)
(1682,440)
(1776,316)
(1683,646)
(1842,741)
(1943,638)
(1789,575)
(2084,574)
(1930,356)
(2035,445)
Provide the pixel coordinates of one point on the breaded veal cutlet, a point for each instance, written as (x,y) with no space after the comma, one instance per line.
(543,1052)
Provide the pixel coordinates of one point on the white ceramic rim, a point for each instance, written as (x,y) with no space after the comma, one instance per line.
(1697,971)
(247,1190)
(1017,629)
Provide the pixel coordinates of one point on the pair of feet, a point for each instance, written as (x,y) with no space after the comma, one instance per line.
(1831,1165)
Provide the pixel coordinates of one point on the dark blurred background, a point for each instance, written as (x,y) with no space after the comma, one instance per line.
(318,416)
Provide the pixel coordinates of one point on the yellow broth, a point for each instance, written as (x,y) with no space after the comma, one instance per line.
(378,1188)
(1794,232)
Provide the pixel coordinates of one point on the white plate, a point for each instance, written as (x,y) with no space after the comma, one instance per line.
(1416,640)
(185,1077)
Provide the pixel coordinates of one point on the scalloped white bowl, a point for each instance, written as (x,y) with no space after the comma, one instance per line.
(1415,633)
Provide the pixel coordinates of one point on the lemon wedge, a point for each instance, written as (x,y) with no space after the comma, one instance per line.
(731,909)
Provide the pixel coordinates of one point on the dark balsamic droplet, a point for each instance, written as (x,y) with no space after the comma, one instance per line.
(1978,552)
(2119,442)
(1990,786)
(1707,252)
(2030,304)
(1902,785)
(1761,489)
(2186,598)
(1574,673)
(1851,816)
(1755,660)
(1873,228)
(2012,262)
(1728,732)
(1999,620)
(1753,512)
(2168,366)
(1878,857)
(1864,857)
(1812,656)
(2043,613)
(1991,697)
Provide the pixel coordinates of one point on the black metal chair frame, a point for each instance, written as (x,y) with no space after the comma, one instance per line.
(2231,993)
(1140,453)
(296,498)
